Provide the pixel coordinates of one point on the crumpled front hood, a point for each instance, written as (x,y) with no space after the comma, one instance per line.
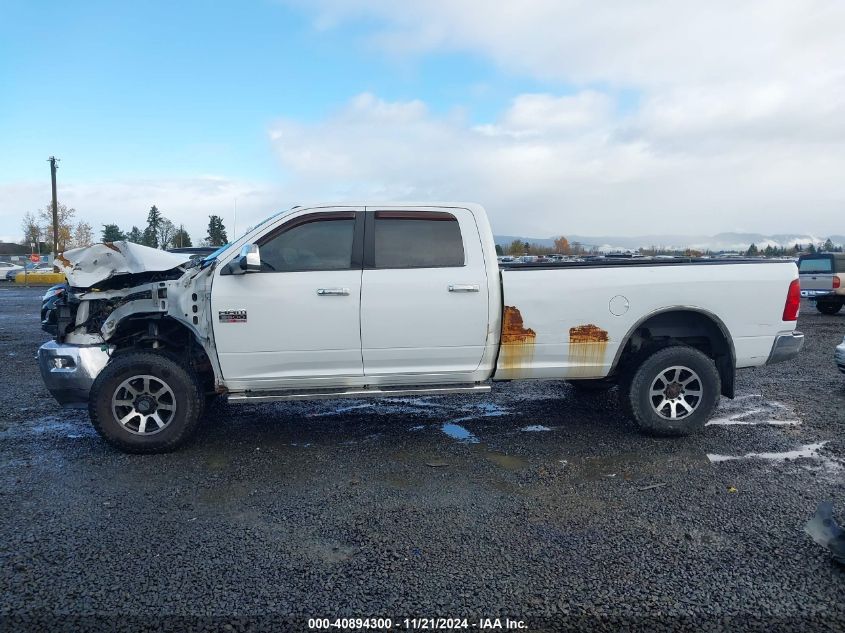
(87,266)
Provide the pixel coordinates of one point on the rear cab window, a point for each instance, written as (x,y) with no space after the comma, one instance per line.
(416,239)
(815,264)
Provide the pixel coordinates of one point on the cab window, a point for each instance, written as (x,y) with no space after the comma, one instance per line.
(411,239)
(815,265)
(311,242)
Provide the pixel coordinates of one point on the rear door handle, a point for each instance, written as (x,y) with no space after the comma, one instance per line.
(464,288)
(337,292)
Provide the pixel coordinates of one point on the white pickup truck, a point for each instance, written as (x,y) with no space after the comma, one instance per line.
(395,299)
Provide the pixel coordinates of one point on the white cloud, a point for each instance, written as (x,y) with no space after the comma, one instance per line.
(739,120)
(551,165)
(651,43)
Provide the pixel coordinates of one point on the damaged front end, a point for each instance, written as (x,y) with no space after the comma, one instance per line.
(121,296)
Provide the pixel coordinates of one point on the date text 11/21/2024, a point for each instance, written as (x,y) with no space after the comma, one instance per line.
(418,624)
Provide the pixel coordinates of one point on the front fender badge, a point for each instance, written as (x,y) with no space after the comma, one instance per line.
(232,316)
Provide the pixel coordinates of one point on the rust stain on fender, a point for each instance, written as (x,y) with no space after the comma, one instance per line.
(517,341)
(64,260)
(112,246)
(587,346)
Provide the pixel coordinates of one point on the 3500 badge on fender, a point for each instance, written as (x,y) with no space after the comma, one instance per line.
(232,316)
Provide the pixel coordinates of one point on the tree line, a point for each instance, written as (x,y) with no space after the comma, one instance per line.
(792,251)
(159,231)
(562,246)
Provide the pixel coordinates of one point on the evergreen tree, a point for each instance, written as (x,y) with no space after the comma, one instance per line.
(216,231)
(752,251)
(112,233)
(151,233)
(135,235)
(828,245)
(181,239)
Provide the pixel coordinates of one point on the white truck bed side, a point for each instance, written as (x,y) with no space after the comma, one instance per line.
(571,322)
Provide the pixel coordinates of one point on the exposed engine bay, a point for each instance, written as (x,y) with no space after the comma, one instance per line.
(127,296)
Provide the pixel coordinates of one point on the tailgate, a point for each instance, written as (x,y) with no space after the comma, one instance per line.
(816,274)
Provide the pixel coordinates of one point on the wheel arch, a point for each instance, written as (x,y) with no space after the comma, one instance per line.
(685,324)
(156,331)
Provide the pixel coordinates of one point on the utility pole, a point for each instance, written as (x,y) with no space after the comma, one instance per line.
(52,160)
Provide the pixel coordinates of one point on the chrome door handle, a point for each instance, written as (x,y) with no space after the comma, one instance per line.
(338,292)
(464,288)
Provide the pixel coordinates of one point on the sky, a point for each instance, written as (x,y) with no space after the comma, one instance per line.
(559,116)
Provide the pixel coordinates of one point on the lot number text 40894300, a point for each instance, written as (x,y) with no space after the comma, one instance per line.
(418,624)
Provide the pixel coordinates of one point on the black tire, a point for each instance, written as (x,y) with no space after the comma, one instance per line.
(178,409)
(828,307)
(591,386)
(654,413)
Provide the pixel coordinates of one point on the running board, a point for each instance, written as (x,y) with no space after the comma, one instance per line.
(357,392)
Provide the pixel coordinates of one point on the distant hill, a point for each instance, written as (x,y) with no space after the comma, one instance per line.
(718,242)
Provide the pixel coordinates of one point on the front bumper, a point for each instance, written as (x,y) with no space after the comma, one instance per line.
(839,356)
(69,370)
(786,346)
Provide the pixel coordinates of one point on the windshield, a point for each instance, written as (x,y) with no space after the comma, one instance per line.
(210,258)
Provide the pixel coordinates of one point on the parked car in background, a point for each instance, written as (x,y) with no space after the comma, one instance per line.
(822,278)
(399,300)
(839,356)
(31,269)
(9,267)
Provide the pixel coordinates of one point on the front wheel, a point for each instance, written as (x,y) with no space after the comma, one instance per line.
(672,392)
(828,307)
(145,403)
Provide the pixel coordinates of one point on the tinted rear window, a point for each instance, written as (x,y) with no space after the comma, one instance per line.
(409,239)
(815,265)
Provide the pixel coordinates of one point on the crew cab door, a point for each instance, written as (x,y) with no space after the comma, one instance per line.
(297,321)
(424,294)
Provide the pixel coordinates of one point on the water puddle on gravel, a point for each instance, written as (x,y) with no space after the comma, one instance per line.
(457,432)
(534,428)
(508,462)
(753,410)
(807,451)
(54,426)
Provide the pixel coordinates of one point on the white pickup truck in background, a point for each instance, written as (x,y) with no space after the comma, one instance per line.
(395,299)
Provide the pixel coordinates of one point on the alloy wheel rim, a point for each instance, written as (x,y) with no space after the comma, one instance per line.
(143,405)
(675,393)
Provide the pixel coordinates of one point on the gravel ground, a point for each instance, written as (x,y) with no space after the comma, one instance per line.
(533,504)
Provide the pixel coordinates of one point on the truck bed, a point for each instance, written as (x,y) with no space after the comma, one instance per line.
(575,324)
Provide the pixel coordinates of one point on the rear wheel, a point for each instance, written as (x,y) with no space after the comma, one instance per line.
(672,392)
(145,403)
(828,307)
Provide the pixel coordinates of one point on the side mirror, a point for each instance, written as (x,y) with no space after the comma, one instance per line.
(249,261)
